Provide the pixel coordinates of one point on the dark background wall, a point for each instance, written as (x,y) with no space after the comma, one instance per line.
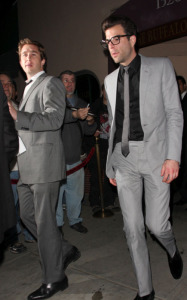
(9,37)
(71,32)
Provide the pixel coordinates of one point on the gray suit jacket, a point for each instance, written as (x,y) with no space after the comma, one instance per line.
(160,112)
(39,122)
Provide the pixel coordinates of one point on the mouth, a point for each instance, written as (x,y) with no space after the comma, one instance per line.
(114,54)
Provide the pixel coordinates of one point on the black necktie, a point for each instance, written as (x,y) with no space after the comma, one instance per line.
(27,83)
(125,133)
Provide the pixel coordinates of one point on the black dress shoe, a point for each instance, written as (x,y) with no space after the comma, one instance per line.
(48,290)
(73,255)
(79,227)
(175,265)
(17,248)
(147,297)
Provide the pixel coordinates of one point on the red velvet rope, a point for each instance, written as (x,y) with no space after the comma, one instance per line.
(14,181)
(85,161)
(73,170)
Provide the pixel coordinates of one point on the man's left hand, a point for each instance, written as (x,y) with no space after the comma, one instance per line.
(170,170)
(90,119)
(12,111)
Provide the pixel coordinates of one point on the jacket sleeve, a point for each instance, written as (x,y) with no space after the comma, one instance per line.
(173,111)
(88,129)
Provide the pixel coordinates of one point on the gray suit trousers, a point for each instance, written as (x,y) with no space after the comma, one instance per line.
(131,173)
(38,213)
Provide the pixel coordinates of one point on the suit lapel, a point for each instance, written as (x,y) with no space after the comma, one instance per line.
(113,91)
(35,84)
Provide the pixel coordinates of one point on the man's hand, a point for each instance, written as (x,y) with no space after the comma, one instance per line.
(113,181)
(97,133)
(90,120)
(170,170)
(12,111)
(81,113)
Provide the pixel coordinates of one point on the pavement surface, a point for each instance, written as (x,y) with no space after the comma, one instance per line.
(104,270)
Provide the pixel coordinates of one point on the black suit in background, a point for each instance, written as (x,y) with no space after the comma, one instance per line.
(8,149)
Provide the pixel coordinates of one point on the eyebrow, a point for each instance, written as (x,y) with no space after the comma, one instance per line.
(32,51)
(2,80)
(68,78)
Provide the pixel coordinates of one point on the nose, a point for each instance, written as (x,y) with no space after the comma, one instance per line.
(69,83)
(110,45)
(28,56)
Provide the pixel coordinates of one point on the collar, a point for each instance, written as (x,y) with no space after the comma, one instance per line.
(134,65)
(33,78)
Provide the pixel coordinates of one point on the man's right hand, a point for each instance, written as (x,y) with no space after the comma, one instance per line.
(97,133)
(113,181)
(81,113)
(12,111)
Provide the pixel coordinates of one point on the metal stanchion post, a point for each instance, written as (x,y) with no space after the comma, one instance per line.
(103,213)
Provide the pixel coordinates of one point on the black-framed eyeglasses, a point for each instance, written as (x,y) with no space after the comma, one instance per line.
(114,40)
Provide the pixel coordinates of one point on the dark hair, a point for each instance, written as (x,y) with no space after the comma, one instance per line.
(7,74)
(10,78)
(41,49)
(127,24)
(68,72)
(179,77)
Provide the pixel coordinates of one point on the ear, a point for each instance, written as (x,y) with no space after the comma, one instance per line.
(43,62)
(20,62)
(133,40)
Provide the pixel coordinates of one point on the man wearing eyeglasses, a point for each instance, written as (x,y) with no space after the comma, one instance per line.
(144,147)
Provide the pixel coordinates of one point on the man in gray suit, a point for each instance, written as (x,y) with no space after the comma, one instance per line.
(151,151)
(41,165)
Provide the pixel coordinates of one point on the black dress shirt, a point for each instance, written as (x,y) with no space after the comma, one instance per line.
(135,131)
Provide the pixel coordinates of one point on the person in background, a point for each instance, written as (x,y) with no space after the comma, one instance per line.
(8,150)
(144,145)
(99,109)
(77,123)
(10,89)
(41,166)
